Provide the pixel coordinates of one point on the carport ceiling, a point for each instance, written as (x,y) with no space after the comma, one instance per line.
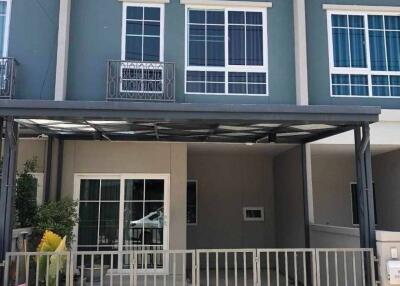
(185,122)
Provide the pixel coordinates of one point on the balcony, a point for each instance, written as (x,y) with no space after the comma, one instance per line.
(7,77)
(140,81)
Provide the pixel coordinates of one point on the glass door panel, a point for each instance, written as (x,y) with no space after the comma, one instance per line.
(143,227)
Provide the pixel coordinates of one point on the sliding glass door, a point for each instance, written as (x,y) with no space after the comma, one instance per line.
(124,213)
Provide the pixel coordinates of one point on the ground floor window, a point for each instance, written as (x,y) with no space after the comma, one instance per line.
(354,203)
(123,213)
(191,206)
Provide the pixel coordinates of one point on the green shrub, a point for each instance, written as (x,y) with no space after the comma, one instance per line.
(60,217)
(25,197)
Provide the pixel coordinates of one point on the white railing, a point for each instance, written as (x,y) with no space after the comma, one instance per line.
(208,267)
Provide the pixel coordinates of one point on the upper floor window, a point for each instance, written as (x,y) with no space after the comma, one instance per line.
(5,11)
(143,32)
(226,51)
(364,54)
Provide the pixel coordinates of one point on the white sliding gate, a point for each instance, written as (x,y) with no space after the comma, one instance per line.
(208,267)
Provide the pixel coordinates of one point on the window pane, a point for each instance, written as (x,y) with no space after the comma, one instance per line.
(215,17)
(110,190)
(154,190)
(340,90)
(134,13)
(195,76)
(151,13)
(392,22)
(257,89)
(340,47)
(197,45)
(109,223)
(256,77)
(151,49)
(151,28)
(89,190)
(380,80)
(133,50)
(393,50)
(88,221)
(375,22)
(237,77)
(216,76)
(356,21)
(357,48)
(377,50)
(339,21)
(195,87)
(254,42)
(215,87)
(236,17)
(134,190)
(340,79)
(215,45)
(238,88)
(236,49)
(395,80)
(197,16)
(134,28)
(254,18)
(3,7)
(380,90)
(191,202)
(395,91)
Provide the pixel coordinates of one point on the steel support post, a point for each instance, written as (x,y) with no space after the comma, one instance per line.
(365,196)
(7,193)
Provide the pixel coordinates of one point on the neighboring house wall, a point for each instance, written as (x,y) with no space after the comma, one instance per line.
(95,38)
(226,184)
(318,60)
(386,171)
(29,149)
(332,174)
(133,157)
(289,199)
(33,42)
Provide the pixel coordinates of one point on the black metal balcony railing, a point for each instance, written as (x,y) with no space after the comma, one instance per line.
(141,81)
(7,78)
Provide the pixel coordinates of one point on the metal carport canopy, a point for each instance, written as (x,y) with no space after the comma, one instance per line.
(185,122)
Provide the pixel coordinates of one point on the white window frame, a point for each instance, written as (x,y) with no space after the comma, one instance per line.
(246,218)
(228,68)
(39,187)
(122,177)
(197,201)
(356,71)
(6,27)
(125,7)
(162,24)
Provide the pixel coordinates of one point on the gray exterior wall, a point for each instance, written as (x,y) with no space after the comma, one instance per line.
(33,42)
(386,171)
(331,177)
(95,37)
(226,184)
(289,199)
(318,59)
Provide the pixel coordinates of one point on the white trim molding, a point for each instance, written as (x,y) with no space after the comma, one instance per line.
(361,8)
(145,1)
(300,49)
(222,3)
(6,36)
(62,50)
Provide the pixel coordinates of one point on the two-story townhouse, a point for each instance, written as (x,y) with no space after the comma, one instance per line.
(353,54)
(156,116)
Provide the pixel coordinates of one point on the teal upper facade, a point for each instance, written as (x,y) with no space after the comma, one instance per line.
(371,77)
(96,37)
